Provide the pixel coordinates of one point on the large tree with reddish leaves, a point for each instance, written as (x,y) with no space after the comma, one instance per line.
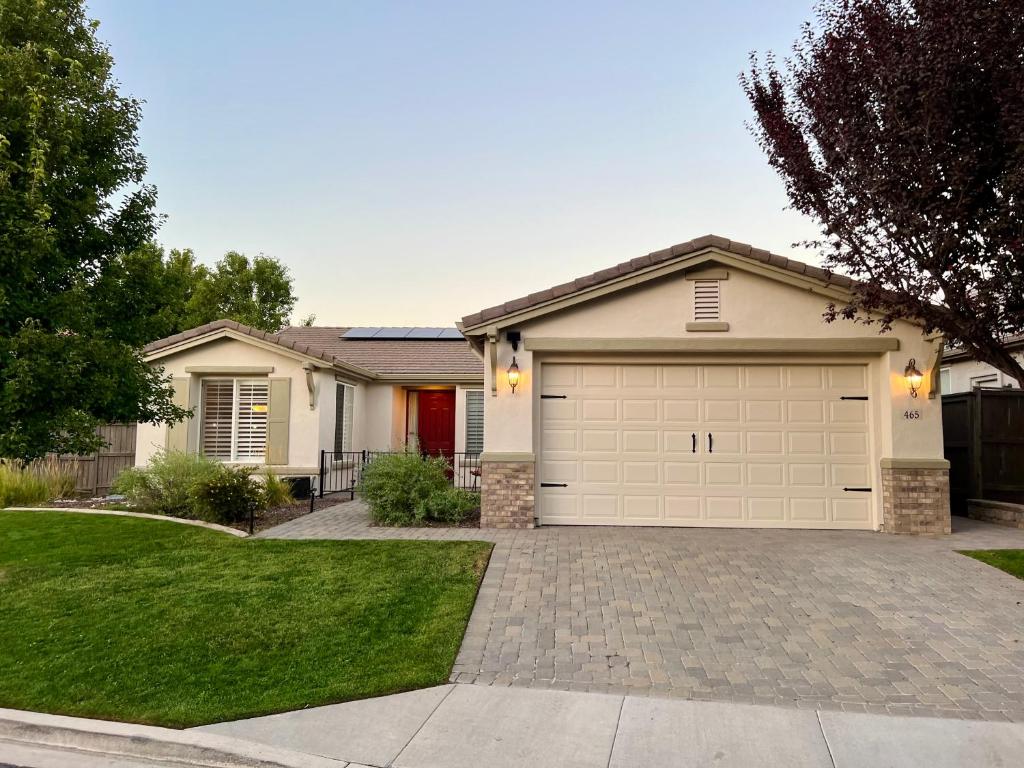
(898,125)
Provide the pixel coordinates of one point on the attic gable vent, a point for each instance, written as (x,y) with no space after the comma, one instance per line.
(706,300)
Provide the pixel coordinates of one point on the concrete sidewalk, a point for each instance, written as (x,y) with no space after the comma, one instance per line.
(467,726)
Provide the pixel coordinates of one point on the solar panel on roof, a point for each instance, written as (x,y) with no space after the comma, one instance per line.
(425,333)
(451,333)
(360,333)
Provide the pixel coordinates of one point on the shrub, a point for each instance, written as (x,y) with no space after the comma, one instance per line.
(276,492)
(24,484)
(396,486)
(407,488)
(230,496)
(167,486)
(450,505)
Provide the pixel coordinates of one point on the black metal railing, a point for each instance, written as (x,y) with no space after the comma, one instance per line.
(341,471)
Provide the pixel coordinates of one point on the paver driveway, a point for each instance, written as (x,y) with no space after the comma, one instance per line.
(833,620)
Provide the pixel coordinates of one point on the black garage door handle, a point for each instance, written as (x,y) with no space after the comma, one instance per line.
(711,443)
(554,485)
(693,438)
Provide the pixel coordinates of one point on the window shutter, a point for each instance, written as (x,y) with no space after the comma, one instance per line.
(706,300)
(177,434)
(277,424)
(217,416)
(474,421)
(253,417)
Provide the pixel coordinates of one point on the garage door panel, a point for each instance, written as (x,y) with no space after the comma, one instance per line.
(599,376)
(604,472)
(851,510)
(723,474)
(685,411)
(727,411)
(763,411)
(775,445)
(600,506)
(773,475)
(682,473)
(600,440)
(641,507)
(763,376)
(721,377)
(680,377)
(599,410)
(724,507)
(553,471)
(559,410)
(808,510)
(641,473)
(643,376)
(682,508)
(640,410)
(765,443)
(766,509)
(852,377)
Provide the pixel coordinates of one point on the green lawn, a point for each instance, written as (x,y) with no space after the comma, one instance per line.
(1009,560)
(155,622)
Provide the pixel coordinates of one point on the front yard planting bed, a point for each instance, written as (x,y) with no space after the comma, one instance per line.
(1009,560)
(152,622)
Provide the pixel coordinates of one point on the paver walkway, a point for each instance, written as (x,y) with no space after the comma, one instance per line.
(849,620)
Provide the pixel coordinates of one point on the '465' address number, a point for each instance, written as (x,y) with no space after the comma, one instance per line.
(911,415)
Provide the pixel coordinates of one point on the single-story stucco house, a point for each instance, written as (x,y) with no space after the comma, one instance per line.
(962,373)
(278,400)
(694,386)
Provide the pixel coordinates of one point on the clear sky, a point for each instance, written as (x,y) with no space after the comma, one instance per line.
(415,162)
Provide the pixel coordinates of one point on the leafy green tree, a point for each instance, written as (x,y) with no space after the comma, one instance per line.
(72,197)
(257,293)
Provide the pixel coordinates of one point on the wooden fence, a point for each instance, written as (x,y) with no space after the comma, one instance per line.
(983,431)
(95,473)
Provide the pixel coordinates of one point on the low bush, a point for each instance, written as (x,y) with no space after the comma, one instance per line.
(230,496)
(167,486)
(407,488)
(451,505)
(24,484)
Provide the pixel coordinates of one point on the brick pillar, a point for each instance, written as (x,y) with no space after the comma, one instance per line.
(506,492)
(915,496)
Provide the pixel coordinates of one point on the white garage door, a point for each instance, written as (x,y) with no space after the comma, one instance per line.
(781,446)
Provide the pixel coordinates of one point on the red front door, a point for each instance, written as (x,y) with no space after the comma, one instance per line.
(436,422)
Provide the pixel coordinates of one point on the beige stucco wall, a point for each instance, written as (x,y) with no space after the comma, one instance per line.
(755,307)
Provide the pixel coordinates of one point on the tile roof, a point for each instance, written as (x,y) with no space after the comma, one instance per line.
(411,357)
(652,259)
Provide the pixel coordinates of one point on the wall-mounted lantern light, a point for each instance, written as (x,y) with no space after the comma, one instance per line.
(913,376)
(513,375)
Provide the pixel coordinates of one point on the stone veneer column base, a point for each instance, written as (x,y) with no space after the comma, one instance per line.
(506,492)
(915,496)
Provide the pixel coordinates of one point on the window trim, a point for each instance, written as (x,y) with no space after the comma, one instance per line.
(236,381)
(346,417)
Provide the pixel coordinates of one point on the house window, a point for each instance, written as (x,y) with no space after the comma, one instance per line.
(945,381)
(233,419)
(343,417)
(707,300)
(475,421)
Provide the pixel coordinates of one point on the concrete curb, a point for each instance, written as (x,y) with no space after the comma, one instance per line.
(126,740)
(122,513)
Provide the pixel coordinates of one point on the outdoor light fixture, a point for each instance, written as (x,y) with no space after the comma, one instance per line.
(513,375)
(913,376)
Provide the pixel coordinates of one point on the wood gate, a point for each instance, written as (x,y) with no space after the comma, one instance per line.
(95,473)
(983,435)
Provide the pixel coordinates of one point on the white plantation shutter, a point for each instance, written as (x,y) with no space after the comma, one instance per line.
(234,419)
(474,421)
(706,300)
(253,405)
(218,419)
